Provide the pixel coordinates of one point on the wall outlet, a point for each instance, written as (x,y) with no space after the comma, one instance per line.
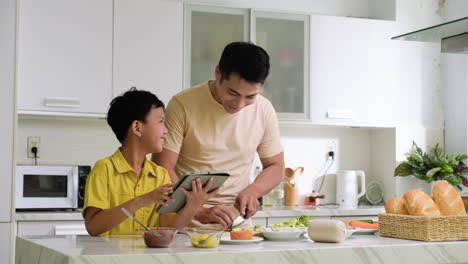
(34,142)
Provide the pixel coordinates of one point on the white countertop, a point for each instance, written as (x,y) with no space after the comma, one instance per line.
(281,211)
(323,210)
(131,249)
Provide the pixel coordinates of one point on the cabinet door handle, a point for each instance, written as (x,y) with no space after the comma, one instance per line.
(339,114)
(66,102)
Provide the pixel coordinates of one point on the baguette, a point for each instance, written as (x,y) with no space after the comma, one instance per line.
(421,204)
(396,205)
(448,199)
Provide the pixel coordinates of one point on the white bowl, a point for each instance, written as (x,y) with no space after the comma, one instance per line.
(282,235)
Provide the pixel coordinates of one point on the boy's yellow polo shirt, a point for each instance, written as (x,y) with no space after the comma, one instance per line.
(113,182)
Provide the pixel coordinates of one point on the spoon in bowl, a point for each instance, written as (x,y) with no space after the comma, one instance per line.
(138,221)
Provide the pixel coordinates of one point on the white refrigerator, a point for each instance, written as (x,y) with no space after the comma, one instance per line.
(7,125)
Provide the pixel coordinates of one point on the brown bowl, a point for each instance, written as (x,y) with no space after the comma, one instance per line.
(159,237)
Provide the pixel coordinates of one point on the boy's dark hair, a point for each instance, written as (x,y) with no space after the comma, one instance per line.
(251,62)
(128,107)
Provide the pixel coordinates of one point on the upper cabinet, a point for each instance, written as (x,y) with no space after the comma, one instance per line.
(284,36)
(353,76)
(207,31)
(148,46)
(64,56)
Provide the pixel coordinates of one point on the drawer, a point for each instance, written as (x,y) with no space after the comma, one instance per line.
(52,228)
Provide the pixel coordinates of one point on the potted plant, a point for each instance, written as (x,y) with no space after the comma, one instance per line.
(434,166)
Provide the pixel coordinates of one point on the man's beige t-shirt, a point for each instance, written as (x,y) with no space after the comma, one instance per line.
(207,138)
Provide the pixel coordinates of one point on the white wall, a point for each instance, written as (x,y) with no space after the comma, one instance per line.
(307,146)
(66,142)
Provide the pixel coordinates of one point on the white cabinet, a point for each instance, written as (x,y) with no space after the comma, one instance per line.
(207,31)
(7,105)
(148,46)
(42,228)
(284,36)
(64,55)
(6,244)
(353,78)
(286,39)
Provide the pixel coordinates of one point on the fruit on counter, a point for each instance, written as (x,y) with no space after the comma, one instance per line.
(396,205)
(158,238)
(420,204)
(445,201)
(365,224)
(207,241)
(239,234)
(300,221)
(448,199)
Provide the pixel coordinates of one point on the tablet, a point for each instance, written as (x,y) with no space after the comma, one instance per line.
(186,182)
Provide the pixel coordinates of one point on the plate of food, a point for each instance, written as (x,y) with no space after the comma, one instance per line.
(229,240)
(361,227)
(282,235)
(291,229)
(363,231)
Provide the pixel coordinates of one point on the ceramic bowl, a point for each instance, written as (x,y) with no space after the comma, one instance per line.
(159,237)
(204,237)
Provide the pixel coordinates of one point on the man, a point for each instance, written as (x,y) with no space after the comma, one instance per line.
(218,126)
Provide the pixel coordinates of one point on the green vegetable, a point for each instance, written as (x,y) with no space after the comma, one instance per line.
(257,227)
(433,166)
(300,221)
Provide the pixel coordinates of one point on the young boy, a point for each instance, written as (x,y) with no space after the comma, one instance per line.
(127,180)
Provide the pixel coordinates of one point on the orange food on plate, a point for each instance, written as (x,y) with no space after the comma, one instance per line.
(359,224)
(241,235)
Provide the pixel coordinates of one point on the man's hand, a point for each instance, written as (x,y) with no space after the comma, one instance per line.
(218,214)
(247,203)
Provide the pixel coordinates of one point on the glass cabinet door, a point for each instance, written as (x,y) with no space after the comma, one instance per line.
(286,39)
(207,31)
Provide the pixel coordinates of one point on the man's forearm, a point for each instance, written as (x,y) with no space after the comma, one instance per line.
(268,179)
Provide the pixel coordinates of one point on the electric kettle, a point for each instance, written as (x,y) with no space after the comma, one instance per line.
(347,187)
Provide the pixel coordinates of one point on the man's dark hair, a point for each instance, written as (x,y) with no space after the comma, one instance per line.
(128,107)
(251,62)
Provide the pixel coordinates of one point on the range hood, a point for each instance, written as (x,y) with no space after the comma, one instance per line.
(453,35)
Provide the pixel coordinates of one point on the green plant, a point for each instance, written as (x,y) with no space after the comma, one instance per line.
(434,166)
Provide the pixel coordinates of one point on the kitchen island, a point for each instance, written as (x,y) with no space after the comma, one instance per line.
(131,249)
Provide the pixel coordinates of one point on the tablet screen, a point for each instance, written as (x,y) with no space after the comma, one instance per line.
(186,182)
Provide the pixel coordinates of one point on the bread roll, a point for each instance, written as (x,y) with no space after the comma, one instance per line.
(396,206)
(323,230)
(448,199)
(421,204)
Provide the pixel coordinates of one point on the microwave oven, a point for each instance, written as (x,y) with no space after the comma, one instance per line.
(50,187)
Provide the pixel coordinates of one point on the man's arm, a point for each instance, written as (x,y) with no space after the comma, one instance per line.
(168,160)
(269,178)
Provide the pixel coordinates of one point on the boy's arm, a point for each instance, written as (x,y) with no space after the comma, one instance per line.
(98,221)
(195,200)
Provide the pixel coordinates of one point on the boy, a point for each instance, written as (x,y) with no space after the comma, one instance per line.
(126,179)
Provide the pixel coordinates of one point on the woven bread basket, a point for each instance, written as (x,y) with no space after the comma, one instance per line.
(424,228)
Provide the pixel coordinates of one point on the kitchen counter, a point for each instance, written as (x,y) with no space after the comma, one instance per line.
(323,210)
(280,211)
(131,249)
